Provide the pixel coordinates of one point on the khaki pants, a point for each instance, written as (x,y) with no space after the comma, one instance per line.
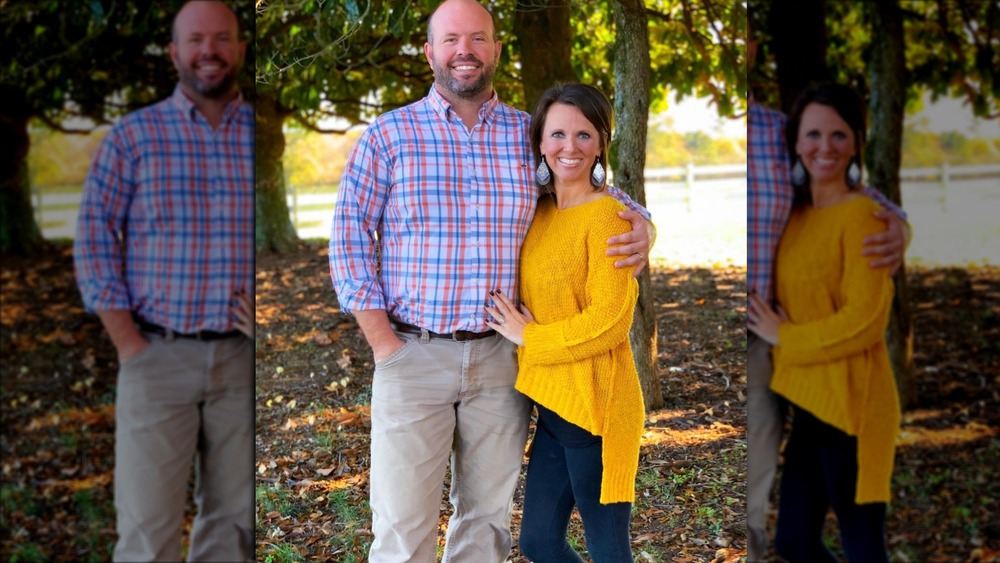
(764,424)
(431,401)
(180,401)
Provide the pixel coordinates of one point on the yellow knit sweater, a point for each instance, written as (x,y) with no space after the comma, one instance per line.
(576,359)
(831,359)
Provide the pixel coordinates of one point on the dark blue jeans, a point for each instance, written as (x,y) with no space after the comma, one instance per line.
(820,471)
(565,470)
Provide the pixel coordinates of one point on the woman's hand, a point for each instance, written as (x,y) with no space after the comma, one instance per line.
(508,320)
(244,311)
(764,321)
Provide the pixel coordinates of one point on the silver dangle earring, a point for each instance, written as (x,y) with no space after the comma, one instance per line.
(598,175)
(542,173)
(799,175)
(853,173)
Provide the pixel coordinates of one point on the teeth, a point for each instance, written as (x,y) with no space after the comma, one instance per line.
(570,160)
(465,67)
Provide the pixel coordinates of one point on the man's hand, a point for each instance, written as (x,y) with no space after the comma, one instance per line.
(131,347)
(127,339)
(635,244)
(378,332)
(888,245)
(244,312)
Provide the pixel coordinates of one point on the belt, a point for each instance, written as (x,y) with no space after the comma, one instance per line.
(457,336)
(203,335)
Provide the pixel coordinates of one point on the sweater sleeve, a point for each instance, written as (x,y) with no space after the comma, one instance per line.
(604,322)
(865,295)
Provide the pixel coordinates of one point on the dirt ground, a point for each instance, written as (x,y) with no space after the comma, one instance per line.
(692,474)
(313,387)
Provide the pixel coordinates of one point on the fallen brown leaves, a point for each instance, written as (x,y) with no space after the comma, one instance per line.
(313,388)
(312,457)
(946,496)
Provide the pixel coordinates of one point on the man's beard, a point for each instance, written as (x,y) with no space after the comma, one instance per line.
(468,90)
(189,76)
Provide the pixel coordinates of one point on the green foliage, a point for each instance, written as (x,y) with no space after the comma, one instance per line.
(698,48)
(312,158)
(27,553)
(666,148)
(95,60)
(57,159)
(925,148)
(354,60)
(283,553)
(15,499)
(952,49)
(276,499)
(322,59)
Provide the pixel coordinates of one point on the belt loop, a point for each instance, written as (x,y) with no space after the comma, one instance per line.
(169,335)
(425,336)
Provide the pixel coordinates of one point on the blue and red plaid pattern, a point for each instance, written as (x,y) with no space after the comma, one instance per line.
(166,224)
(447,207)
(769,195)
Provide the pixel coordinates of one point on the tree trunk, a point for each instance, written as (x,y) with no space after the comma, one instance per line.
(799,32)
(19,232)
(274,229)
(545,41)
(629,161)
(887,79)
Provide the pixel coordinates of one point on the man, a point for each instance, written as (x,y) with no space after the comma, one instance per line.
(446,183)
(164,256)
(769,195)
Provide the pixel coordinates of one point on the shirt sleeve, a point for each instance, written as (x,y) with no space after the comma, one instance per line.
(606,318)
(882,200)
(361,200)
(98,257)
(865,297)
(627,201)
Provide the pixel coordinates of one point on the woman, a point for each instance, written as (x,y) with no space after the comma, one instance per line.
(574,358)
(830,358)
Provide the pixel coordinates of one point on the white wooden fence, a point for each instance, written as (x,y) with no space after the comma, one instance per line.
(312,213)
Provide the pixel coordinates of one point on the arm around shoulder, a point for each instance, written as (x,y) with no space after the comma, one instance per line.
(603,323)
(864,299)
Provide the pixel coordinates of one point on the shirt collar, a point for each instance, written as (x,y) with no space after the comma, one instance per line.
(187,107)
(442,107)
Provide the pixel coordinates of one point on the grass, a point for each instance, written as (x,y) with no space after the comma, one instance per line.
(26,553)
(16,499)
(326,440)
(283,553)
(350,519)
(276,499)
